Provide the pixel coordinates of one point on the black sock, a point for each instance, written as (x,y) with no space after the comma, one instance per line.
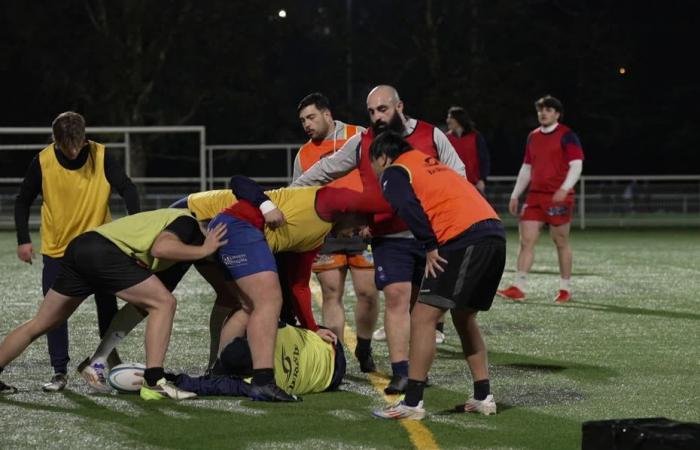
(400,368)
(440,327)
(482,389)
(262,377)
(414,392)
(364,346)
(153,374)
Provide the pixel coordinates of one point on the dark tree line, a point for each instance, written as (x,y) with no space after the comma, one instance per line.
(240,69)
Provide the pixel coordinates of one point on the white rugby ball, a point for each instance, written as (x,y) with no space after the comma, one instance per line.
(126,377)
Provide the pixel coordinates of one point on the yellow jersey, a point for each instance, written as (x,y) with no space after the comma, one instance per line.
(304,363)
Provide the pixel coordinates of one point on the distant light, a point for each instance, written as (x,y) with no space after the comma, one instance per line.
(622,71)
(282,13)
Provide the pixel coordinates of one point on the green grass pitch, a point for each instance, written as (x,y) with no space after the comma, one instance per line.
(628,346)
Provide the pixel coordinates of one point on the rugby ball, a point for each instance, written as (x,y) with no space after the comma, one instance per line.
(126,377)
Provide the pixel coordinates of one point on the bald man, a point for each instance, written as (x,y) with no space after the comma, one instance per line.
(398,257)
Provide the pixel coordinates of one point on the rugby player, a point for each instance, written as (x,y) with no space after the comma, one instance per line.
(552,165)
(133,258)
(464,245)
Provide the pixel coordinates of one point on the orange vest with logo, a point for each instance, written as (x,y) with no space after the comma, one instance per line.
(451,203)
(311,152)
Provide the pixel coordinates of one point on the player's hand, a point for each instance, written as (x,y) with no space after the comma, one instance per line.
(275,218)
(327,335)
(25,252)
(559,196)
(513,206)
(432,263)
(481,186)
(364,232)
(215,239)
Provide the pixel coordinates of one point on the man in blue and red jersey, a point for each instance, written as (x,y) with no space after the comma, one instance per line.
(398,257)
(470,146)
(552,166)
(464,244)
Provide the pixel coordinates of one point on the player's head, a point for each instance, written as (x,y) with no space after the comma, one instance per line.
(549,110)
(236,358)
(69,133)
(385,109)
(348,224)
(315,116)
(385,149)
(458,120)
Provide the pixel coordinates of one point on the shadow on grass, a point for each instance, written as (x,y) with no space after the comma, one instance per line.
(602,307)
(176,425)
(556,272)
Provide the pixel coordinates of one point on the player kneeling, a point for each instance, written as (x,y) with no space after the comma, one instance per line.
(125,258)
(464,242)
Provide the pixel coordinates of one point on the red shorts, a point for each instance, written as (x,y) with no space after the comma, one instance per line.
(332,261)
(539,207)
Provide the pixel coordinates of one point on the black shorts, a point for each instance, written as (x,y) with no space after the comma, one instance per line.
(470,279)
(93,263)
(349,246)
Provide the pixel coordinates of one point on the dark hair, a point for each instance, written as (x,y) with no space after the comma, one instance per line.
(390,144)
(69,130)
(319,100)
(550,102)
(462,117)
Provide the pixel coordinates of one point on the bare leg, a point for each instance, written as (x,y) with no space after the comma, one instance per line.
(151,296)
(422,350)
(473,344)
(332,289)
(529,233)
(397,319)
(54,310)
(367,308)
(234,327)
(263,293)
(560,236)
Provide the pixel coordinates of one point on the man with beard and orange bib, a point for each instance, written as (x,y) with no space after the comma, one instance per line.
(399,257)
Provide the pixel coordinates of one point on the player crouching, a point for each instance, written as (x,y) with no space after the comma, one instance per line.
(125,258)
(464,242)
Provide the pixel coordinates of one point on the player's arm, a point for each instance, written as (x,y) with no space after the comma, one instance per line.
(574,154)
(397,189)
(297,171)
(117,178)
(447,153)
(333,167)
(28,191)
(182,240)
(484,160)
(521,183)
(246,189)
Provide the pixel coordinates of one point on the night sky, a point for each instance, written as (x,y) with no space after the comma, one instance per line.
(240,69)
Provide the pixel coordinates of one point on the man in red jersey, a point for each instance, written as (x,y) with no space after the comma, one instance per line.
(552,166)
(470,146)
(399,258)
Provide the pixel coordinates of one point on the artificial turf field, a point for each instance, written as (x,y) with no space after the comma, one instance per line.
(627,346)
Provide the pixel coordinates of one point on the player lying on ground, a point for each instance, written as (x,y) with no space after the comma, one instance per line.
(464,242)
(305,362)
(124,257)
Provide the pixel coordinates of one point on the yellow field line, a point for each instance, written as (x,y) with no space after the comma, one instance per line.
(421,437)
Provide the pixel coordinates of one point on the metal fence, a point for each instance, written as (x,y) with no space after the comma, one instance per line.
(610,200)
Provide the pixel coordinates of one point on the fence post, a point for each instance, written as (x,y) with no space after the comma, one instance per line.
(127,153)
(210,156)
(289,163)
(582,205)
(202,159)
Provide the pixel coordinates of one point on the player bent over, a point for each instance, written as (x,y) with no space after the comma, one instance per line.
(122,258)
(464,242)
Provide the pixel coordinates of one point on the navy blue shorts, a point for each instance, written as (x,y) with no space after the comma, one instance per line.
(397,260)
(246,252)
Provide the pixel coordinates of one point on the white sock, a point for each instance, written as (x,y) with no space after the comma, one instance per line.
(123,322)
(564,284)
(520,280)
(216,323)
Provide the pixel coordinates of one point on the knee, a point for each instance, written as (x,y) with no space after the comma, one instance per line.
(561,242)
(163,301)
(367,296)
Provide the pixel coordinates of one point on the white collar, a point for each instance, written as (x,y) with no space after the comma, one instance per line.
(550,128)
